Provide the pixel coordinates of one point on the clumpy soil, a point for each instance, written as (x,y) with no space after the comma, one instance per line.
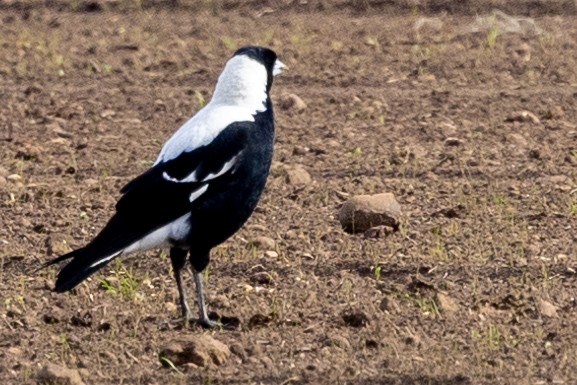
(468,117)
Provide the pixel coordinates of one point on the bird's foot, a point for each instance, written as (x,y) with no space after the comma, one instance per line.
(215,321)
(207,323)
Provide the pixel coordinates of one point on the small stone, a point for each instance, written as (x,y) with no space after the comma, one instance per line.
(53,374)
(300,150)
(362,212)
(523,116)
(547,309)
(271,254)
(14,351)
(556,112)
(3,181)
(55,128)
(263,242)
(200,350)
(389,304)
(523,52)
(238,350)
(292,102)
(296,175)
(107,113)
(338,341)
(14,177)
(4,172)
(453,142)
(170,307)
(447,304)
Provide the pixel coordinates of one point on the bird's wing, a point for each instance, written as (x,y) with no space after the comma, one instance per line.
(156,198)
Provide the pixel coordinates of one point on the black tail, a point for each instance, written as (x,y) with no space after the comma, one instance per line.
(78,270)
(107,245)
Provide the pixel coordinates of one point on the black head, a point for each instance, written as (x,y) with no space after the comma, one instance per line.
(266,56)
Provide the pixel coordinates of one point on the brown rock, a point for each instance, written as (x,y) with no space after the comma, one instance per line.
(201,350)
(59,131)
(296,175)
(453,142)
(523,52)
(523,116)
(447,304)
(292,102)
(14,177)
(556,112)
(265,243)
(53,374)
(362,212)
(547,309)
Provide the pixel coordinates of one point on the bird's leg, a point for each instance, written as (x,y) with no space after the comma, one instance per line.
(178,258)
(203,319)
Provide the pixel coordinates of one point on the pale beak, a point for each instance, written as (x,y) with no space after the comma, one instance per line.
(278,67)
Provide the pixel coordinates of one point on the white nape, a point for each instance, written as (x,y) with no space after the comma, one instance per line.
(239,94)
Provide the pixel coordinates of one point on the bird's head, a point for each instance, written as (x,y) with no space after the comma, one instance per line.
(248,74)
(265,56)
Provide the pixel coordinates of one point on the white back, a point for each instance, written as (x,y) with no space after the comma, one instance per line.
(239,94)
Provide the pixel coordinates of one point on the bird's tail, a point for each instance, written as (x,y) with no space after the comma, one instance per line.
(107,245)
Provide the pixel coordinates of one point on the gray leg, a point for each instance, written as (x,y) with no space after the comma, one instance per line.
(202,314)
(178,258)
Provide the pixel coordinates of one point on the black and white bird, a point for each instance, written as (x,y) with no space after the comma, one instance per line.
(204,185)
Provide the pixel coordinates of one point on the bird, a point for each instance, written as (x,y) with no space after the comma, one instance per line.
(204,185)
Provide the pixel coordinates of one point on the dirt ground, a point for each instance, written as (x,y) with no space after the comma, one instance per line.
(469,118)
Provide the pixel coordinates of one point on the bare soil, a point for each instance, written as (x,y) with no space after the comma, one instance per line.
(424,101)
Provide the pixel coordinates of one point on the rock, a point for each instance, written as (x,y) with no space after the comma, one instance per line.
(389,304)
(300,150)
(556,112)
(338,341)
(4,172)
(263,242)
(524,117)
(53,374)
(523,52)
(14,351)
(547,309)
(292,102)
(55,128)
(201,350)
(447,304)
(296,175)
(3,181)
(14,178)
(362,212)
(271,254)
(453,142)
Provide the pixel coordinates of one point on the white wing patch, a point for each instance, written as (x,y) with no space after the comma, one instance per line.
(226,168)
(193,178)
(198,193)
(189,179)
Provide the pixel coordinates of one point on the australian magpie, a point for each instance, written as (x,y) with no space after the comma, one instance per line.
(204,185)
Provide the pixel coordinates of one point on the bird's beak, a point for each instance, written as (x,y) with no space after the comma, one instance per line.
(278,67)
